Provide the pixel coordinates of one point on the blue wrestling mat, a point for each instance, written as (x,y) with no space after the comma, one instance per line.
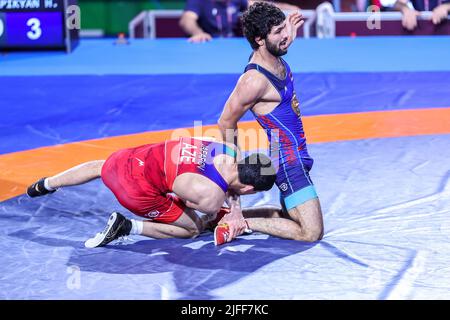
(385,200)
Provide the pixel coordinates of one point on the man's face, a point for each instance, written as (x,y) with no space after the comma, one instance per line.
(276,41)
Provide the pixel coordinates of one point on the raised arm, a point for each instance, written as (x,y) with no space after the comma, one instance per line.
(294,21)
(281,5)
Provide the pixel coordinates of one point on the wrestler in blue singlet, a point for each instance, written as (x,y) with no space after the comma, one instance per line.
(287,145)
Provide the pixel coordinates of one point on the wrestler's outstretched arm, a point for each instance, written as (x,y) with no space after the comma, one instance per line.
(293,22)
(249,89)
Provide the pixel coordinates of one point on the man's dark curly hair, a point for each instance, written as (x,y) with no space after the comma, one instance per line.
(256,170)
(259,19)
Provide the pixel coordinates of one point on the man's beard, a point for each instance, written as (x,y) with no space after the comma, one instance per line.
(274,50)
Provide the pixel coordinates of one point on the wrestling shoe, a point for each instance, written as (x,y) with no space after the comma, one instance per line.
(117,226)
(37,189)
(222,233)
(223,211)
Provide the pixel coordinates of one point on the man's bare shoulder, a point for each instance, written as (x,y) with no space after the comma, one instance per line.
(253,80)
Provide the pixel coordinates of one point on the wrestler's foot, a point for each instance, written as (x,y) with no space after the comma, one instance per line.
(38,189)
(117,226)
(221,234)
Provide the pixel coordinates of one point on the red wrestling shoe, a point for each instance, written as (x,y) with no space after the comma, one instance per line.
(221,234)
(223,211)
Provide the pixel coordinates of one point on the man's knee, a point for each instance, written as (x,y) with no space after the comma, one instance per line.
(315,235)
(193,233)
(311,234)
(308,216)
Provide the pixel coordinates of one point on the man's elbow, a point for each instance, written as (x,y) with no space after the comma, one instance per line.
(227,130)
(222,124)
(210,207)
(225,124)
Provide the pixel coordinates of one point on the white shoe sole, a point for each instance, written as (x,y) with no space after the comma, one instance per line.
(100,237)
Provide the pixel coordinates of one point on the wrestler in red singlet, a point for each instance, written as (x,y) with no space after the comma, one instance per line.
(142,178)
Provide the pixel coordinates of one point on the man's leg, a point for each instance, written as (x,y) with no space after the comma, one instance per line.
(188,225)
(80,174)
(303,223)
(309,218)
(301,217)
(74,176)
(268,211)
(174,221)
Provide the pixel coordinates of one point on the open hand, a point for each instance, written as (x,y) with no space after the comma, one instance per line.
(294,21)
(235,221)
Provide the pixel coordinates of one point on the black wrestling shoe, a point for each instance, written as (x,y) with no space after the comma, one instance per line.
(37,189)
(117,226)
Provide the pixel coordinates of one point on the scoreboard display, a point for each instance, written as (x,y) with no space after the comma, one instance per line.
(37,24)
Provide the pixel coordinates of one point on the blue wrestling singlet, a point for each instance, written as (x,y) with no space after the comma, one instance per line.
(288,148)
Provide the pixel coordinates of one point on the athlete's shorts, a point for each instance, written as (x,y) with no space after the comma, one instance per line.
(294,182)
(145,195)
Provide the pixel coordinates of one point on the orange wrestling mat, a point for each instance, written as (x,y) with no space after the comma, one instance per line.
(19,169)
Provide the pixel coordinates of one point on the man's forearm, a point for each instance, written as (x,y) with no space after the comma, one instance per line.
(229,133)
(280,5)
(447,6)
(234,202)
(190,26)
(285,6)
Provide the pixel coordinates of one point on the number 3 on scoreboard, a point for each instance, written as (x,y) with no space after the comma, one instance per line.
(35,26)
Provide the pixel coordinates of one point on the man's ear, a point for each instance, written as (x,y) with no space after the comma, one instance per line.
(260,41)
